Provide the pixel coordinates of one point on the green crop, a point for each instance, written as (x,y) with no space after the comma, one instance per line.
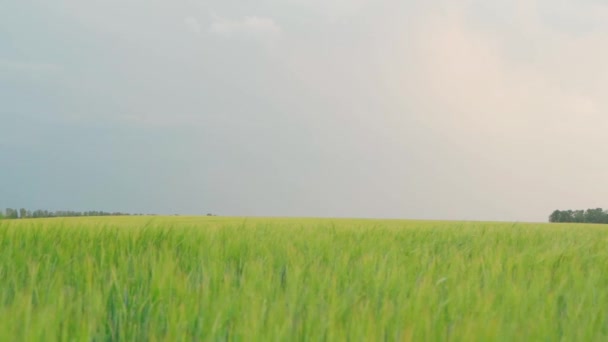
(236,279)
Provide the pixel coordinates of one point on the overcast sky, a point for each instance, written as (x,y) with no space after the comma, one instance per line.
(478,110)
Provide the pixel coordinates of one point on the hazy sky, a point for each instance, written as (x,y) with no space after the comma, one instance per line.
(489,110)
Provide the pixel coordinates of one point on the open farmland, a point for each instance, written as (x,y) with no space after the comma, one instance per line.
(209,278)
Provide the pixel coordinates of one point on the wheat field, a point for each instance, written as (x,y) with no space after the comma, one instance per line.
(272,279)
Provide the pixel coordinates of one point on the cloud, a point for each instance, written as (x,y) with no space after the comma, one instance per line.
(519,105)
(250,26)
(473,72)
(510,99)
(575,16)
(446,108)
(334,8)
(32,68)
(193,24)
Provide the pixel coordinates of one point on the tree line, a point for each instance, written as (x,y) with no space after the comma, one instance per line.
(597,215)
(23,213)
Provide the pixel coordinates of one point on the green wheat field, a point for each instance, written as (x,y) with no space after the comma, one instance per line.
(258,279)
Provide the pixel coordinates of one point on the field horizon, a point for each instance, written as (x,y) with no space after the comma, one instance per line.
(244,218)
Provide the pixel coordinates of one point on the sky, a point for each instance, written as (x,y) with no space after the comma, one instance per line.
(441,109)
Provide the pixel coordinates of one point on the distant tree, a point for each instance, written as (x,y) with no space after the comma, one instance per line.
(579,216)
(11,213)
(567,216)
(596,215)
(555,216)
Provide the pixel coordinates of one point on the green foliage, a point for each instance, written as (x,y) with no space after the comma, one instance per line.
(11,213)
(597,215)
(24,213)
(210,279)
